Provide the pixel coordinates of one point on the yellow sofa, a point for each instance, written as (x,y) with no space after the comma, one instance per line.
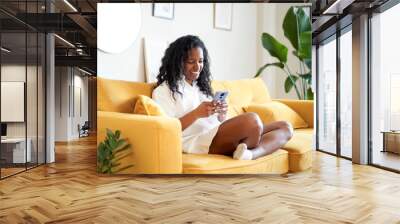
(156,140)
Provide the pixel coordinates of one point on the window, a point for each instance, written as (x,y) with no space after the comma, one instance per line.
(346,93)
(385,89)
(327,96)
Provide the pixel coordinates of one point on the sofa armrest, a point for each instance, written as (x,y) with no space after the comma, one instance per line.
(305,108)
(155,141)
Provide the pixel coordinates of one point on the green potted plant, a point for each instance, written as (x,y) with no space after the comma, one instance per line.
(297,28)
(111,151)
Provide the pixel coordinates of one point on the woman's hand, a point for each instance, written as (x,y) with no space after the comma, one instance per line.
(205,109)
(221,109)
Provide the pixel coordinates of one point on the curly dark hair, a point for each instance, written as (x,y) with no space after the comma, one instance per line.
(172,63)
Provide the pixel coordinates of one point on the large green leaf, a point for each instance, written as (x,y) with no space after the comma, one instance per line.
(274,47)
(277,64)
(290,28)
(295,23)
(304,51)
(290,82)
(303,20)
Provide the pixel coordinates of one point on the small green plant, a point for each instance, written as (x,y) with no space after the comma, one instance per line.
(297,28)
(111,151)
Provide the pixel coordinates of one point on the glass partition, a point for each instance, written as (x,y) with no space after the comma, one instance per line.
(22,77)
(13,93)
(41,91)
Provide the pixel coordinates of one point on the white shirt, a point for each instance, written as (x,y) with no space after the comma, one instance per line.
(198,136)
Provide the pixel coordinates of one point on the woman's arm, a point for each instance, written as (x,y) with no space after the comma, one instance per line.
(188,119)
(205,109)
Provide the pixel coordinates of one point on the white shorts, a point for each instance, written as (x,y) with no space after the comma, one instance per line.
(200,144)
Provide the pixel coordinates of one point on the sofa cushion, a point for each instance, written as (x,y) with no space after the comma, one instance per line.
(146,106)
(120,96)
(308,131)
(242,93)
(276,111)
(305,108)
(275,163)
(300,150)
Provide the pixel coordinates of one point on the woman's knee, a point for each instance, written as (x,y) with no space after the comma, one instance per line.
(288,128)
(254,123)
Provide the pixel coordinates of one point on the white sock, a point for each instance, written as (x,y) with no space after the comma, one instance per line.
(242,153)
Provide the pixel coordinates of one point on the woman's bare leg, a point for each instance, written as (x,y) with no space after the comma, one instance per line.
(248,128)
(275,135)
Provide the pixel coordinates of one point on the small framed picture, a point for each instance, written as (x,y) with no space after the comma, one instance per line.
(163,10)
(223,16)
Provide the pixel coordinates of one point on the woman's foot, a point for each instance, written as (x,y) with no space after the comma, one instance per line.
(242,153)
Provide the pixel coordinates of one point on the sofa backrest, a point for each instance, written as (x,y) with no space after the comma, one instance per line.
(242,93)
(120,96)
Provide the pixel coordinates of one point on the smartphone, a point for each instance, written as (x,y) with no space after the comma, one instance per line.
(220,96)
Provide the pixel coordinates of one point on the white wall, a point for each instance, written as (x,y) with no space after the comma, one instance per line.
(61,103)
(267,22)
(68,83)
(234,60)
(79,117)
(234,54)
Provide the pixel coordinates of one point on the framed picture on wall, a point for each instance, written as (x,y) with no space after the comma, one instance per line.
(223,16)
(163,10)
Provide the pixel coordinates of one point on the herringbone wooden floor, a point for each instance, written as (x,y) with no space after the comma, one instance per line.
(70,191)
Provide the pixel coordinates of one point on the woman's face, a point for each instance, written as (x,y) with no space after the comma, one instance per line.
(193,64)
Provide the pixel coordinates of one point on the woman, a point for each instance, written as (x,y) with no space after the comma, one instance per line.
(184,91)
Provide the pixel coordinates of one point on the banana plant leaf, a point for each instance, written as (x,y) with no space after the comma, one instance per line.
(290,82)
(304,51)
(274,47)
(277,64)
(295,23)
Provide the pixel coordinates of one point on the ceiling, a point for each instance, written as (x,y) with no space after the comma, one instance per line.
(74,21)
